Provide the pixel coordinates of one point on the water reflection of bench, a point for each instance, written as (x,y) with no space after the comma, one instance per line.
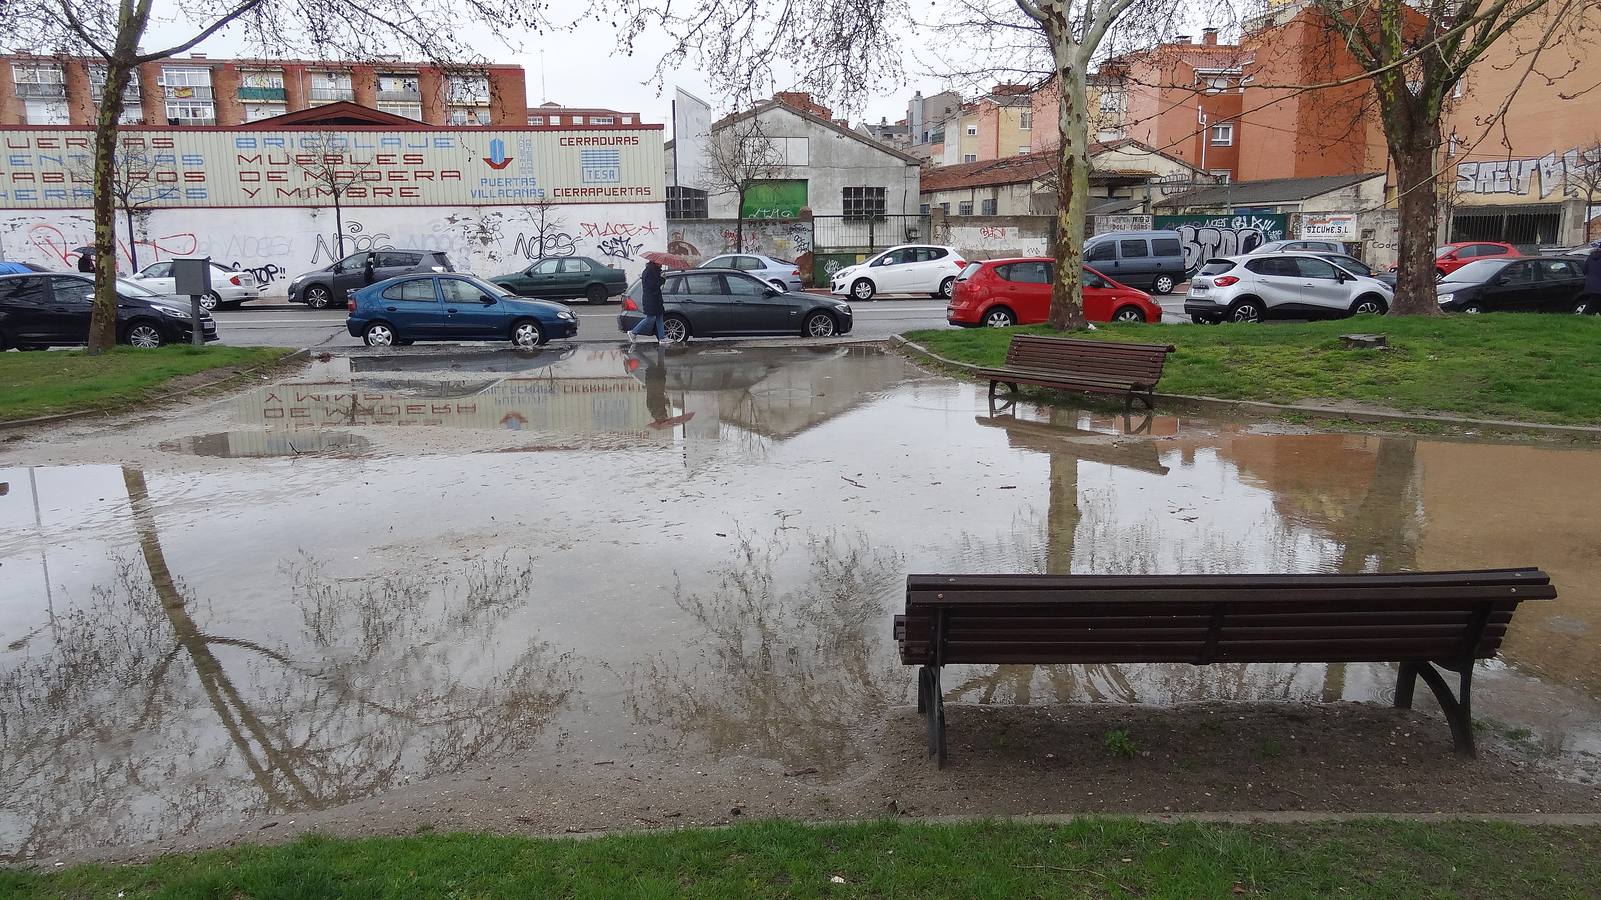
(1421,620)
(1043,437)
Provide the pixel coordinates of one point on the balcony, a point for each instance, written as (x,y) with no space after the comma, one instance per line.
(332,95)
(414,96)
(37,91)
(263,94)
(188,91)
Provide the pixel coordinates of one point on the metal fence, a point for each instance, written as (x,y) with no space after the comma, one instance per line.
(1526,230)
(865,234)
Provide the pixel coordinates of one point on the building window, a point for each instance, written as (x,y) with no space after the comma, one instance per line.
(969,157)
(1022,150)
(469,99)
(1025,120)
(864,203)
(555,120)
(408,110)
(922,210)
(686,203)
(43,92)
(987,207)
(1452,145)
(255,112)
(330,87)
(536,120)
(964,208)
(578,120)
(972,130)
(628,120)
(189,99)
(463,115)
(133,112)
(1221,176)
(1223,134)
(945,208)
(399,87)
(603,120)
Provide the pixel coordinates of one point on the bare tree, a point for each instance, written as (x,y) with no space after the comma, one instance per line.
(1584,179)
(545,222)
(133,187)
(1416,52)
(112,32)
(332,168)
(738,157)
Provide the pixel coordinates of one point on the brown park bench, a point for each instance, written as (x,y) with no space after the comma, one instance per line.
(1072,364)
(1420,620)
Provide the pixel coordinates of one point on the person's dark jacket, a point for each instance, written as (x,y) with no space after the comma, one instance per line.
(86,262)
(367,276)
(651,289)
(1592,272)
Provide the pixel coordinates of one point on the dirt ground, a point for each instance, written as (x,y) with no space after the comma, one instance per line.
(1004,761)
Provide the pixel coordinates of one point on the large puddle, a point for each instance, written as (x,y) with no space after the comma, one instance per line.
(327,588)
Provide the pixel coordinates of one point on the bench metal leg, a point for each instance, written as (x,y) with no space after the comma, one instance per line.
(1458,708)
(922,690)
(931,697)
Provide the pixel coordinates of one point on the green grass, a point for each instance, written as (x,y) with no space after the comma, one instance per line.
(47,383)
(1088,858)
(1533,368)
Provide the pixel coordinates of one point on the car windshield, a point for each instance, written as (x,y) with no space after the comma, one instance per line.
(1443,251)
(1350,264)
(1216,267)
(492,289)
(133,289)
(1476,272)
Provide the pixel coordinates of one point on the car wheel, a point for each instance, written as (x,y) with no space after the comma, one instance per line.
(210,301)
(144,334)
(1583,306)
(779,286)
(1246,311)
(1129,314)
(1369,306)
(318,297)
(1438,274)
(526,334)
(1162,285)
(863,289)
(675,329)
(596,293)
(947,288)
(1473,309)
(379,334)
(819,324)
(999,317)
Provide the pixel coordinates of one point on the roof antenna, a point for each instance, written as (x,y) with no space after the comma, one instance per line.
(544,94)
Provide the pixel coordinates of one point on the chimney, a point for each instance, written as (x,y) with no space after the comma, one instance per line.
(1209,37)
(1181,39)
(197,56)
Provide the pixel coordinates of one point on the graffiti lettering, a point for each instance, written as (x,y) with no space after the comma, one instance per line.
(619,247)
(992,232)
(355,242)
(536,246)
(1557,172)
(264,275)
(1202,242)
(617,229)
(53,244)
(800,237)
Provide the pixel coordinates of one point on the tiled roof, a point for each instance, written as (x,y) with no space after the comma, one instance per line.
(1025,167)
(1267,191)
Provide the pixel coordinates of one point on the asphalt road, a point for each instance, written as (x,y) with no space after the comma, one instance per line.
(284,325)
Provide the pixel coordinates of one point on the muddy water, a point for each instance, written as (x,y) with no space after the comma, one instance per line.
(378,572)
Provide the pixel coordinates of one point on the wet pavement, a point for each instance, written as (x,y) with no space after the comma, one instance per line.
(325,590)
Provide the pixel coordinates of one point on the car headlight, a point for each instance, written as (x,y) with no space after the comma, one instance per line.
(565,315)
(1445,298)
(173,311)
(844,308)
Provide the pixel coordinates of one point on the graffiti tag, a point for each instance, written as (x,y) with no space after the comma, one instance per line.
(536,246)
(619,247)
(1516,176)
(992,232)
(616,229)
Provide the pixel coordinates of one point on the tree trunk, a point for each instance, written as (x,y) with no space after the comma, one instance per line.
(133,239)
(1072,188)
(103,320)
(1419,208)
(339,229)
(739,224)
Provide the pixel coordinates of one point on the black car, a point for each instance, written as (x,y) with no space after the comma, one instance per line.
(39,311)
(725,302)
(1358,267)
(1516,284)
(332,284)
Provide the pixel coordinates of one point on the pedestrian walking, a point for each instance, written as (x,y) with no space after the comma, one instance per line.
(650,301)
(1590,300)
(366,271)
(86,261)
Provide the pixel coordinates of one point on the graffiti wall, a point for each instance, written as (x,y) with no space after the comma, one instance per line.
(703,239)
(996,237)
(1553,173)
(278,244)
(1204,237)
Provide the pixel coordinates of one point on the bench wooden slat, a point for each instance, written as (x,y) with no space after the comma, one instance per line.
(1104,367)
(1518,575)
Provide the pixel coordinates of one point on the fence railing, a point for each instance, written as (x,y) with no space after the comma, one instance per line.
(864,234)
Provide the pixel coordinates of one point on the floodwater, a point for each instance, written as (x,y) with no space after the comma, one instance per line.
(397,567)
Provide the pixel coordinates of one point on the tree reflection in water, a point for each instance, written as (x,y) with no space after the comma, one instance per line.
(788,675)
(141,722)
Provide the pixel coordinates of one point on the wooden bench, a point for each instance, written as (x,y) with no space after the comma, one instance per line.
(1420,620)
(1101,367)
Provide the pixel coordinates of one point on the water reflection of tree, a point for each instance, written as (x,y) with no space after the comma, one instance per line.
(141,722)
(782,674)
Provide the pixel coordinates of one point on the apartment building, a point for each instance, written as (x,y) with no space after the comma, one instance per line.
(556,114)
(197,90)
(1184,98)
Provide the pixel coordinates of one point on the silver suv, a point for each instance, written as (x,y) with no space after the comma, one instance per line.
(1281,286)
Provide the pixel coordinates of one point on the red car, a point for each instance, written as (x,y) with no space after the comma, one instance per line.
(1451,257)
(1003,292)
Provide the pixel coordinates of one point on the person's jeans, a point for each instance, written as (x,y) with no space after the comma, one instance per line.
(647,324)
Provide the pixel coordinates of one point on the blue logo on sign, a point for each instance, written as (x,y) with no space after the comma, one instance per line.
(601,166)
(497,157)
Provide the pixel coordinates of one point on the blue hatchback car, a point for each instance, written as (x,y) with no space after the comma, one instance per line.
(452,307)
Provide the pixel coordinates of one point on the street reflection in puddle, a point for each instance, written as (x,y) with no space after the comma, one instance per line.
(186,642)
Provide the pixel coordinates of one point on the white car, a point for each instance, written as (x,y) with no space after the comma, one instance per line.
(908,269)
(1300,246)
(229,287)
(784,276)
(1281,286)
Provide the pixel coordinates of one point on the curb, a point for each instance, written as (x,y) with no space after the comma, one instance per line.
(301,354)
(1586,431)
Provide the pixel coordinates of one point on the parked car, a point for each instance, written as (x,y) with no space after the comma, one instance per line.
(1451,257)
(453,308)
(229,287)
(1152,260)
(908,269)
(1281,285)
(719,302)
(1531,284)
(1004,292)
(1319,247)
(781,275)
(566,278)
(1358,267)
(39,311)
(22,268)
(332,284)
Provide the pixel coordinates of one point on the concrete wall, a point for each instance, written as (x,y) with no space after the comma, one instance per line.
(995,237)
(701,240)
(280,243)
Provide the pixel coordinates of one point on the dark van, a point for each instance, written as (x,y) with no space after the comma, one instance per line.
(1153,260)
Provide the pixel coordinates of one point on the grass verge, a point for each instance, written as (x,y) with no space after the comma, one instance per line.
(1531,368)
(1088,858)
(49,383)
